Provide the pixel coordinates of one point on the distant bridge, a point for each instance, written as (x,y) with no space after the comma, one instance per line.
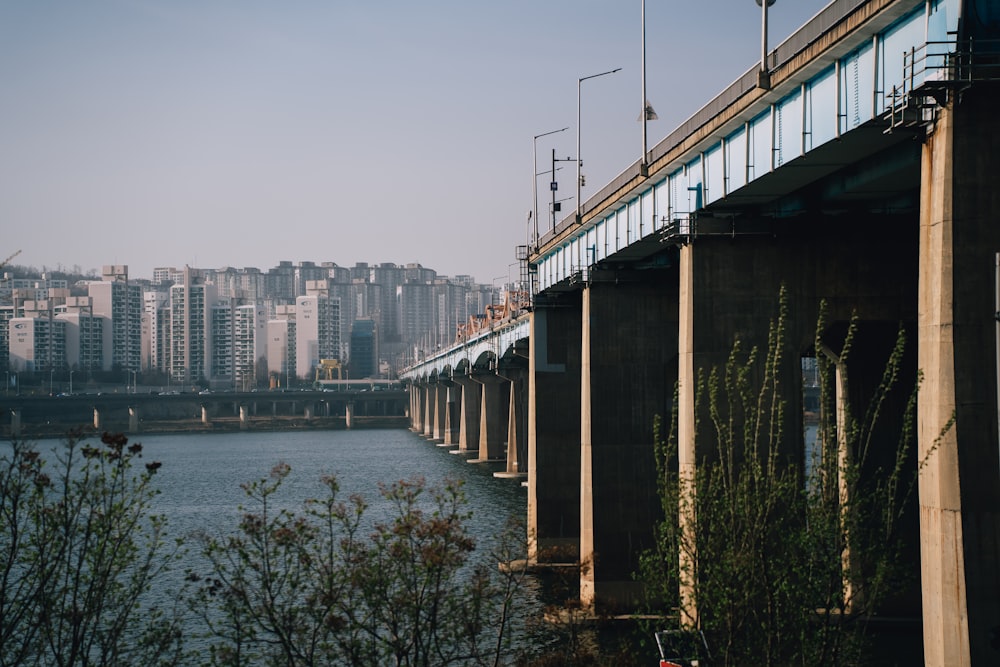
(132,413)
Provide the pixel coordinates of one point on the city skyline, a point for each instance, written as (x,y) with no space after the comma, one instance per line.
(188,133)
(94,273)
(234,327)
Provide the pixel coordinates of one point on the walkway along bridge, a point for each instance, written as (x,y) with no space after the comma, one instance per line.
(862,171)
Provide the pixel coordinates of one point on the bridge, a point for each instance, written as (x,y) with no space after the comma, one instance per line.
(860,169)
(344,406)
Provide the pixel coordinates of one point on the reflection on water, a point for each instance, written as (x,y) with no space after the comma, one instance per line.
(201,476)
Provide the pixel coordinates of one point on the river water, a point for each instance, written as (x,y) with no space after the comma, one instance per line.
(201,475)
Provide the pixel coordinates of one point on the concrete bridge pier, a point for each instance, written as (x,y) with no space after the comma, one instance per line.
(349,416)
(440,409)
(469,409)
(15,423)
(730,289)
(244,418)
(628,370)
(492,417)
(516,372)
(416,395)
(959,488)
(309,411)
(133,419)
(98,421)
(205,418)
(430,409)
(554,431)
(452,420)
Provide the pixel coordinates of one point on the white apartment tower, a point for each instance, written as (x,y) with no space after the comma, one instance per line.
(37,344)
(249,345)
(281,346)
(114,298)
(87,335)
(156,331)
(221,343)
(190,349)
(317,334)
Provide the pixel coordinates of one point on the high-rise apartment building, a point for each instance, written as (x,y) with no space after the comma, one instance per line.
(317,334)
(190,317)
(87,335)
(221,342)
(364,361)
(37,344)
(280,282)
(249,346)
(115,298)
(281,346)
(156,328)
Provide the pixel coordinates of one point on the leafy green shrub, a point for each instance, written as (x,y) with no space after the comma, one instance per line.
(323,586)
(79,553)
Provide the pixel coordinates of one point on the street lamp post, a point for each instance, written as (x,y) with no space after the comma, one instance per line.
(764,75)
(645,104)
(647,109)
(579,157)
(534,175)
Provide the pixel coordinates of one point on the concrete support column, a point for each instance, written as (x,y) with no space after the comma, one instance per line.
(430,410)
(15,423)
(730,290)
(440,409)
(554,431)
(492,417)
(628,370)
(469,412)
(517,422)
(244,418)
(349,416)
(957,337)
(416,407)
(452,402)
(205,419)
(133,419)
(309,411)
(98,422)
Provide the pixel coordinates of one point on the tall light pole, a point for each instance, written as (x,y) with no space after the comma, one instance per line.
(764,76)
(645,114)
(534,175)
(579,158)
(647,109)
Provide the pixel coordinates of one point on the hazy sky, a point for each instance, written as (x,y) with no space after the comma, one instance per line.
(246,132)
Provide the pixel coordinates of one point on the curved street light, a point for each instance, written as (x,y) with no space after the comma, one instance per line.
(579,159)
(764,76)
(534,175)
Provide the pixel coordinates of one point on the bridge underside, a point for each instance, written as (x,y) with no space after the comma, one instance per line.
(890,225)
(890,230)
